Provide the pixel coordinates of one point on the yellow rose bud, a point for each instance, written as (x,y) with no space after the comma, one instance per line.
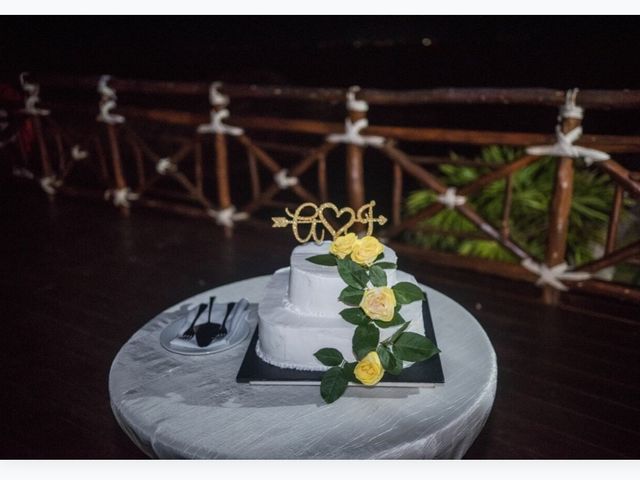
(369,370)
(366,250)
(379,303)
(342,246)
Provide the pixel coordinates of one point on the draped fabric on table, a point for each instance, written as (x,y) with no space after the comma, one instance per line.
(175,406)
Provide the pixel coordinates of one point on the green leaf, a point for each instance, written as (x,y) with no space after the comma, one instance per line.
(329,357)
(397,333)
(386,265)
(377,276)
(365,340)
(348,369)
(353,274)
(388,360)
(351,296)
(406,292)
(395,321)
(379,257)
(412,347)
(355,316)
(333,384)
(326,259)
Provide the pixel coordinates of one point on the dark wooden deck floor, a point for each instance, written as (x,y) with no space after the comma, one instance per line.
(76,281)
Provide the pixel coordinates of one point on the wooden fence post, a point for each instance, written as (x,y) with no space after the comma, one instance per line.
(120,194)
(560,209)
(118,174)
(222,171)
(32,98)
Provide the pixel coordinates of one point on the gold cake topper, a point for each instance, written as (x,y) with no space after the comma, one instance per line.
(364,215)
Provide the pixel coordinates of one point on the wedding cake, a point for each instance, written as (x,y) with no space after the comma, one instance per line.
(300,312)
(342,306)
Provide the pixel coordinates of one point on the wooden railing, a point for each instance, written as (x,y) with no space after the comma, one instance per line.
(128,168)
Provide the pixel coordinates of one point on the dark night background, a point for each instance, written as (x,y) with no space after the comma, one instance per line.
(380,51)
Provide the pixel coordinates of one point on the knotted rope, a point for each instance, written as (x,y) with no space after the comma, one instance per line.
(121,197)
(283,180)
(352,135)
(227,216)
(451,199)
(217,98)
(564,146)
(50,184)
(107,103)
(165,166)
(553,276)
(353,104)
(216,125)
(33,92)
(78,154)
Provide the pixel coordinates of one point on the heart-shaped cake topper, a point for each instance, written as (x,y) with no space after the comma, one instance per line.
(317,217)
(325,223)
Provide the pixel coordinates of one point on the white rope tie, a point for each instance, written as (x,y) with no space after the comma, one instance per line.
(50,184)
(570,109)
(283,180)
(107,102)
(78,153)
(121,197)
(33,92)
(227,216)
(553,276)
(352,135)
(22,172)
(564,147)
(353,104)
(451,199)
(165,166)
(217,98)
(216,125)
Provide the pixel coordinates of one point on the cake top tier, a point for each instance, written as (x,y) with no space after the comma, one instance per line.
(302,252)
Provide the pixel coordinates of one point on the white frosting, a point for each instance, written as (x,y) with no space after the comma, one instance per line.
(314,289)
(289,338)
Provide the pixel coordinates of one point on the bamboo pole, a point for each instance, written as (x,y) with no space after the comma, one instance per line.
(506,207)
(118,175)
(397,195)
(198,174)
(102,160)
(47,170)
(323,187)
(254,174)
(614,219)
(598,99)
(222,173)
(559,211)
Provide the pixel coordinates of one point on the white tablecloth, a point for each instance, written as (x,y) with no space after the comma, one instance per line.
(175,406)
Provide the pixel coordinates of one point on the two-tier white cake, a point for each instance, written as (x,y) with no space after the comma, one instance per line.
(300,312)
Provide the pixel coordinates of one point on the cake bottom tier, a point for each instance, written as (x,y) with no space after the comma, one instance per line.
(288,339)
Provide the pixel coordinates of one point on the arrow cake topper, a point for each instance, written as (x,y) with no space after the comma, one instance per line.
(364,215)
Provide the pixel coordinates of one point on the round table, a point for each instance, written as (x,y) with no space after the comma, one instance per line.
(175,406)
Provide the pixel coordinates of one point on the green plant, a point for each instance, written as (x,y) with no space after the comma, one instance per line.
(528,221)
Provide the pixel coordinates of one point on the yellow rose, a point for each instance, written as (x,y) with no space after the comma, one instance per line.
(369,370)
(342,246)
(366,250)
(379,303)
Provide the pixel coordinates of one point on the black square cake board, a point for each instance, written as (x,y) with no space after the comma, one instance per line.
(427,373)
